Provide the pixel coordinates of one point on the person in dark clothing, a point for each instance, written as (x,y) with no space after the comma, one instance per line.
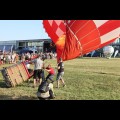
(60,73)
(45,90)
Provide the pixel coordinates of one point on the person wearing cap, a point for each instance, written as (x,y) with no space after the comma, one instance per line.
(60,68)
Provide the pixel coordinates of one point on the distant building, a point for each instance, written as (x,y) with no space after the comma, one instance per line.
(41,45)
(7,45)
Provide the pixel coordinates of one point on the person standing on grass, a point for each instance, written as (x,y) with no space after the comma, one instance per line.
(38,70)
(60,68)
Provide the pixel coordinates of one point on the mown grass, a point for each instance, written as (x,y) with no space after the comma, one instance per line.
(86,79)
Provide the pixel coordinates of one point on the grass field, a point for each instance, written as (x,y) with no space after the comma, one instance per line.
(86,79)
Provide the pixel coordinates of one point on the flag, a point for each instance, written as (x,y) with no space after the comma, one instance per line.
(11,48)
(3,49)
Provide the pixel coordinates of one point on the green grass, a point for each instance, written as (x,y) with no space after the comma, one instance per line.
(86,79)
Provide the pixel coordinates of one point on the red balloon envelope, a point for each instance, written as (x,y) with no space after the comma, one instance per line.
(75,38)
(56,29)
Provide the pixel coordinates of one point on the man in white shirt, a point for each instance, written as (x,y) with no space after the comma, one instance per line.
(38,66)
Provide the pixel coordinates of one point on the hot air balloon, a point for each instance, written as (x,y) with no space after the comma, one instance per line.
(56,29)
(75,38)
(108,51)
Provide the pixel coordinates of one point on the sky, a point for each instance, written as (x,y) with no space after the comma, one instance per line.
(22,30)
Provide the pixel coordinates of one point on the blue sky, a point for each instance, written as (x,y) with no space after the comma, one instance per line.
(22,30)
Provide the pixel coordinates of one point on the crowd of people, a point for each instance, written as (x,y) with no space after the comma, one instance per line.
(9,58)
(13,58)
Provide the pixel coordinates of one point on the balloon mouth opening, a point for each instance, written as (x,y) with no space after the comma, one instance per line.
(61,41)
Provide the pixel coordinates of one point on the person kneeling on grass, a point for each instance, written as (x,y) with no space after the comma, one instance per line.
(45,90)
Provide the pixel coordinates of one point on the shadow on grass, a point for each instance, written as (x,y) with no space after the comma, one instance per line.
(25,83)
(2,84)
(106,73)
(7,97)
(109,74)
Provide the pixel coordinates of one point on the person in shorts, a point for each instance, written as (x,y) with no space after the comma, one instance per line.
(38,70)
(60,74)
